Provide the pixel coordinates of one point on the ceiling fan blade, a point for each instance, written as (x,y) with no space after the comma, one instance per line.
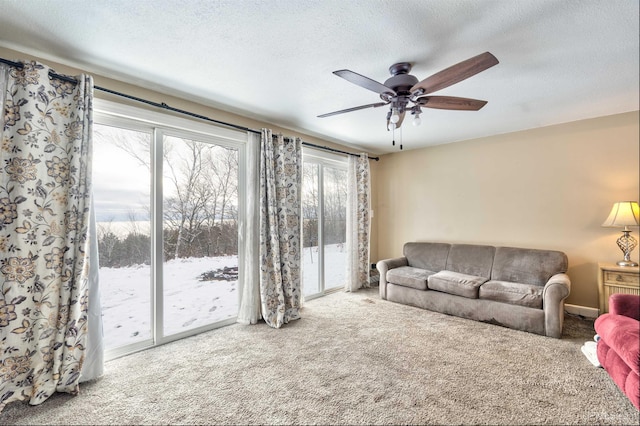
(456,73)
(451,102)
(363,81)
(342,111)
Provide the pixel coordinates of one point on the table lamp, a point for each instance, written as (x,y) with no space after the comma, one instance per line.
(625,213)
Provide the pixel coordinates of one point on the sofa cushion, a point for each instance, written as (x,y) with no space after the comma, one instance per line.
(621,374)
(430,256)
(527,266)
(409,276)
(471,259)
(456,283)
(514,293)
(622,335)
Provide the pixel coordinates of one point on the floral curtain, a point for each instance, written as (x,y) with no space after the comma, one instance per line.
(44,215)
(358,222)
(280,206)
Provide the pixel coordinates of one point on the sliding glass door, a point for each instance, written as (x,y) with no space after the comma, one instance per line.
(168,205)
(324,196)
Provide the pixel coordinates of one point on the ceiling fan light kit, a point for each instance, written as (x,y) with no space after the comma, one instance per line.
(416,111)
(403,91)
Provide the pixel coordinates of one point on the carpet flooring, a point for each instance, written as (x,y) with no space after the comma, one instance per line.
(352,359)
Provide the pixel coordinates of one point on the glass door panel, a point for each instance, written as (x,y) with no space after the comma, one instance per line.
(200,234)
(310,229)
(334,227)
(121,198)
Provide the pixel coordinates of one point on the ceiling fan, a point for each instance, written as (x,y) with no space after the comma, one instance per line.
(405,93)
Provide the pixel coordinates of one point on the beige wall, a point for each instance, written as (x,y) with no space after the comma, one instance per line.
(545,188)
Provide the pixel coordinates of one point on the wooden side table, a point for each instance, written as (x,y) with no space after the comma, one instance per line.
(616,279)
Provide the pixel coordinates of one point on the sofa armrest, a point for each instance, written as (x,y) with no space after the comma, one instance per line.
(383,266)
(625,304)
(555,291)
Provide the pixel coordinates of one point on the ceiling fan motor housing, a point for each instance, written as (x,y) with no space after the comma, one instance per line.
(401,83)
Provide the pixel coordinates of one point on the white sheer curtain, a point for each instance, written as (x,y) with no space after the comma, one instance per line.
(249,312)
(358,222)
(3,89)
(93,365)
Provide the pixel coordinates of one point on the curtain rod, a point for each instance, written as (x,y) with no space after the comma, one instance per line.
(169,108)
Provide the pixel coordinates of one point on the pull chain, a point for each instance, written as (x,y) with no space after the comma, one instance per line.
(394,134)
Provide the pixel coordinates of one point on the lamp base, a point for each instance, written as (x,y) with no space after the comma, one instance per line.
(627,243)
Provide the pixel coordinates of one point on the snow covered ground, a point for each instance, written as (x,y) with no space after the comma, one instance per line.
(188,301)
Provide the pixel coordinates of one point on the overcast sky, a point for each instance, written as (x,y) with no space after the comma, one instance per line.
(121,185)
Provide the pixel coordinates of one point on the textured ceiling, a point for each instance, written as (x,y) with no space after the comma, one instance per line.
(560,60)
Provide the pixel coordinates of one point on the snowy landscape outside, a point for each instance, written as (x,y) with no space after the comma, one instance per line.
(190,302)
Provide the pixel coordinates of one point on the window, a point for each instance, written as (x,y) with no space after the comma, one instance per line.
(168,197)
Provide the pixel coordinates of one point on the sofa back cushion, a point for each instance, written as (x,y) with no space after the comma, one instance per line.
(429,256)
(471,259)
(527,266)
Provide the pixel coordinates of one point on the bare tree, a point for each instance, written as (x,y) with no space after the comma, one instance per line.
(107,240)
(224,172)
(335,200)
(204,197)
(310,206)
(183,168)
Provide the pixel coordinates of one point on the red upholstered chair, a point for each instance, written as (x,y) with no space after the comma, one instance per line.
(619,345)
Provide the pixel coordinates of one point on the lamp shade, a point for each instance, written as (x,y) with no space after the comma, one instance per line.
(623,213)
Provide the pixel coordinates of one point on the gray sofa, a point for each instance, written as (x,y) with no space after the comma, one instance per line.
(520,288)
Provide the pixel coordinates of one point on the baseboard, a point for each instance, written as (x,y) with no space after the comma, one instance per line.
(582,311)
